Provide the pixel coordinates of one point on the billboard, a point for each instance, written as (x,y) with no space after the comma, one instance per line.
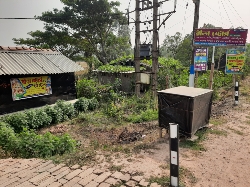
(220,37)
(200,59)
(28,87)
(235,61)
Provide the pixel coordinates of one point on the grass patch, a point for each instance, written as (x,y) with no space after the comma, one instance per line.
(116,168)
(219,121)
(217,132)
(144,146)
(163,181)
(236,131)
(195,145)
(185,173)
(80,157)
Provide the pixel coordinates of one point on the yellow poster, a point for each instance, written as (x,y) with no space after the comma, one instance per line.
(28,87)
(235,61)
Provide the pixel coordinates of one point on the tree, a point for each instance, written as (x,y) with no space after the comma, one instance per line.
(82,26)
(184,50)
(170,45)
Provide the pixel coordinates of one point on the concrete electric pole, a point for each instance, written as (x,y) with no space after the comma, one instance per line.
(195,26)
(137,48)
(155,52)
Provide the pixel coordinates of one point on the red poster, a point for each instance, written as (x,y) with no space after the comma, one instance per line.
(220,37)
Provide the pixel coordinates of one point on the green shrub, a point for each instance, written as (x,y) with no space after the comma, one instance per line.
(37,118)
(86,88)
(82,104)
(67,108)
(18,121)
(93,104)
(55,113)
(28,144)
(8,139)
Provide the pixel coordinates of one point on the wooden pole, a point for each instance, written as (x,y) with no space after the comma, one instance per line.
(196,79)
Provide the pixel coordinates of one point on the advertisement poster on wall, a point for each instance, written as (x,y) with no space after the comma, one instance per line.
(200,59)
(28,87)
(235,60)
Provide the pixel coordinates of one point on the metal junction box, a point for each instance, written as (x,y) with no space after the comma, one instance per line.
(187,106)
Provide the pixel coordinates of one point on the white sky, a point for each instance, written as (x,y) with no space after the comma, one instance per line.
(233,13)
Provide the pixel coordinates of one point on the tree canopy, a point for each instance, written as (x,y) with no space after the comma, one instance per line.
(89,27)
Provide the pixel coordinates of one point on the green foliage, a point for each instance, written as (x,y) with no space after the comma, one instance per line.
(42,117)
(176,72)
(115,69)
(28,144)
(220,80)
(8,139)
(99,29)
(93,104)
(148,115)
(170,45)
(55,113)
(121,60)
(37,118)
(86,88)
(68,109)
(18,121)
(82,104)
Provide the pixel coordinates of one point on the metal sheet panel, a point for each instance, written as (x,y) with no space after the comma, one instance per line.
(28,64)
(10,66)
(145,78)
(64,63)
(46,65)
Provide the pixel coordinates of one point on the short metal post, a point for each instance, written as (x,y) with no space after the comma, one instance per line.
(236,93)
(174,155)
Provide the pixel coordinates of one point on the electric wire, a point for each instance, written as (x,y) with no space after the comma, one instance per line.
(184,21)
(227,13)
(238,13)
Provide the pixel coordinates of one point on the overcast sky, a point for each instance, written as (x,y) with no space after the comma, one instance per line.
(223,13)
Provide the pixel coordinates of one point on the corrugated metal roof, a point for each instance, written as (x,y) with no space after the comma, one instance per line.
(18,60)
(64,63)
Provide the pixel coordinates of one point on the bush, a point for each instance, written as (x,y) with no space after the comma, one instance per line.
(37,118)
(93,104)
(28,144)
(55,113)
(8,139)
(18,121)
(68,109)
(82,104)
(86,88)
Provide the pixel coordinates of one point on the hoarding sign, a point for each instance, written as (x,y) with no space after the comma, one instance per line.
(28,87)
(200,59)
(235,61)
(220,37)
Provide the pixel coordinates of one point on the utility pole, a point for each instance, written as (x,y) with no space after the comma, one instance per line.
(137,48)
(195,26)
(155,52)
(212,71)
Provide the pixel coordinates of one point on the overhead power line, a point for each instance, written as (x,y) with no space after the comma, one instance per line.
(226,13)
(237,13)
(18,18)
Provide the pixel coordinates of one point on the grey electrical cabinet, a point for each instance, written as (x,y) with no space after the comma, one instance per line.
(187,106)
